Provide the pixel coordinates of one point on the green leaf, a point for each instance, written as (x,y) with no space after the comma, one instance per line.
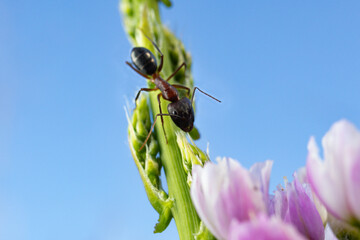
(194,134)
(166,3)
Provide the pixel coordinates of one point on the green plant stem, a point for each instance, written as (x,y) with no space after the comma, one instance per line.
(144,15)
(183,211)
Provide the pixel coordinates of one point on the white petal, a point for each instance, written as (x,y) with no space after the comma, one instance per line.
(260,174)
(342,151)
(324,183)
(203,194)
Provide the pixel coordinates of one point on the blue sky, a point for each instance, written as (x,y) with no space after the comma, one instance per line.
(284,70)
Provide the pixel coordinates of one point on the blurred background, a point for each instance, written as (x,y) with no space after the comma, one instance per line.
(284,70)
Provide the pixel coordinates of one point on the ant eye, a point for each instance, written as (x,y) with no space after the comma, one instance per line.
(175,112)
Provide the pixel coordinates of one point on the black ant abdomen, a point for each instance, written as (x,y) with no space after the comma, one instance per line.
(144,60)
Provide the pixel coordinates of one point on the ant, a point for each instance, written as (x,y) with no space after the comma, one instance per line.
(180,110)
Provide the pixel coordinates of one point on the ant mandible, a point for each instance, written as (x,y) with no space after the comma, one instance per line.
(180,110)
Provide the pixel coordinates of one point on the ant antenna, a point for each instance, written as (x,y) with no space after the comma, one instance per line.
(192,98)
(153,43)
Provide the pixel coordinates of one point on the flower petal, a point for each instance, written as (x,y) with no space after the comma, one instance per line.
(336,181)
(263,229)
(278,203)
(224,192)
(260,174)
(329,235)
(302,178)
(303,212)
(322,184)
(294,204)
(202,188)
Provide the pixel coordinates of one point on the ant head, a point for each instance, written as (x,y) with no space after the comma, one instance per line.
(143,60)
(182,114)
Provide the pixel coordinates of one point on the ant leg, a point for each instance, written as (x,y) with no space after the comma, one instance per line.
(162,120)
(133,68)
(183,87)
(152,128)
(144,89)
(157,48)
(173,74)
(192,98)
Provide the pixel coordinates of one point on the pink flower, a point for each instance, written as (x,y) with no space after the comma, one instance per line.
(336,180)
(225,192)
(263,228)
(301,176)
(294,204)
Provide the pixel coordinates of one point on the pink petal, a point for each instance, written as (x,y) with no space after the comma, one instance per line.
(323,184)
(278,203)
(336,181)
(294,204)
(302,178)
(203,189)
(348,143)
(354,181)
(224,192)
(260,174)
(303,213)
(263,229)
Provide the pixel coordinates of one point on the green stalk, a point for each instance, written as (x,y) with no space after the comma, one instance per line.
(142,17)
(183,210)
